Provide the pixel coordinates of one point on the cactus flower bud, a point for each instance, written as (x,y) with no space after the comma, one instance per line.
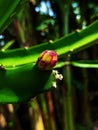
(47,60)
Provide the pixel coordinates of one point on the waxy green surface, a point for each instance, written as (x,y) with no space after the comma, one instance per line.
(20,79)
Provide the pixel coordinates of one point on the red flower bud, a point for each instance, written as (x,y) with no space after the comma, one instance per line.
(47,60)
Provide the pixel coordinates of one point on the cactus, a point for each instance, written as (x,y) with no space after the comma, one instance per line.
(20,77)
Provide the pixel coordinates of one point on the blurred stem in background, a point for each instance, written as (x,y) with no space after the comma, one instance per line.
(68,111)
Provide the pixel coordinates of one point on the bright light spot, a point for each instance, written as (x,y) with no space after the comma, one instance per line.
(1,37)
(42,33)
(78,17)
(37,9)
(43,7)
(2,40)
(2,43)
(51,13)
(74,4)
(84,25)
(77,10)
(49,8)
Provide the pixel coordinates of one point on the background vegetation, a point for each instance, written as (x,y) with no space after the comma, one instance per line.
(73,104)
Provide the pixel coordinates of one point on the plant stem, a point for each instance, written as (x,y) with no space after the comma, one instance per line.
(7,45)
(51,110)
(44,110)
(68,98)
(85,96)
(86,108)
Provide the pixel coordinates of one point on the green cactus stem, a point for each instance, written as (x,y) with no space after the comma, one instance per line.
(21,80)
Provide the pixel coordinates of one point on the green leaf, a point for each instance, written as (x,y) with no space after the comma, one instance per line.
(85,64)
(7,45)
(8,10)
(44,24)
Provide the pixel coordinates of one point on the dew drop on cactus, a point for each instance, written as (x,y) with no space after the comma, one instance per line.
(47,60)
